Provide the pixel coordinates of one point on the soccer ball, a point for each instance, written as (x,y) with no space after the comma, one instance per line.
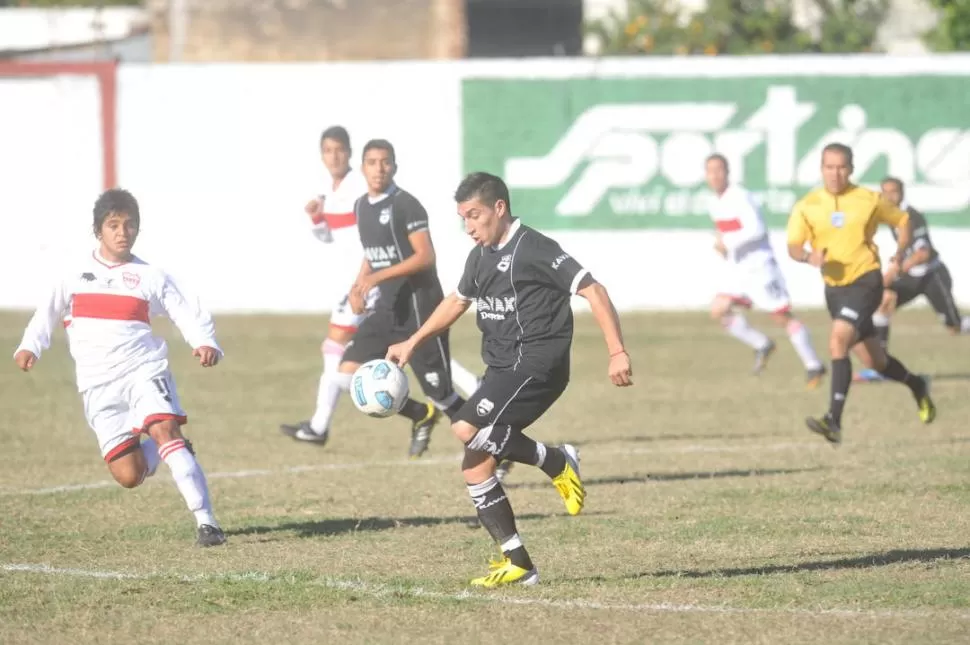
(379,388)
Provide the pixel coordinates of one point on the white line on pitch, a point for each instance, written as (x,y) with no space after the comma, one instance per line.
(381,591)
(433,461)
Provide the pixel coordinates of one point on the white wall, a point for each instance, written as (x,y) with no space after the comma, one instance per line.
(223,157)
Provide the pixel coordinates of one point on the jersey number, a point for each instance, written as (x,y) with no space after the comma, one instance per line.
(162,386)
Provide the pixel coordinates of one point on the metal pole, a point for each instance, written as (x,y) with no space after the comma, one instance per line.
(177,28)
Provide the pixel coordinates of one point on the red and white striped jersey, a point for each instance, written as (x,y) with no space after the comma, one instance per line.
(337,221)
(737,217)
(106,310)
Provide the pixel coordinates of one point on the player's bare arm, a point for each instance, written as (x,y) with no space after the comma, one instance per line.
(358,294)
(422,260)
(444,316)
(208,356)
(719,245)
(798,239)
(25,359)
(620,368)
(313,206)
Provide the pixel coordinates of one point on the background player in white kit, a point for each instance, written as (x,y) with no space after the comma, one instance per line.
(105,302)
(751,277)
(335,223)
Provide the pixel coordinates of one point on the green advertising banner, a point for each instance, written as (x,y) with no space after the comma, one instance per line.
(626,153)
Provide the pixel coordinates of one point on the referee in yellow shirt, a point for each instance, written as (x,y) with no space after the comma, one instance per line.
(838,222)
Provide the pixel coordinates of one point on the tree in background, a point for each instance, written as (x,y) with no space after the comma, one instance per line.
(738,27)
(952,32)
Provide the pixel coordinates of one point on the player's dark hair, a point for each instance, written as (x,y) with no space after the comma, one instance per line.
(486,187)
(841,148)
(380,144)
(894,180)
(717,156)
(115,200)
(336,133)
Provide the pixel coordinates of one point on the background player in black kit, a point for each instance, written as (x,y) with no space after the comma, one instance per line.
(921,272)
(521,282)
(400,259)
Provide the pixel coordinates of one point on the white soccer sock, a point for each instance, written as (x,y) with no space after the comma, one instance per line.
(802,342)
(880,320)
(150,450)
(332,384)
(463,379)
(189,479)
(965,325)
(737,325)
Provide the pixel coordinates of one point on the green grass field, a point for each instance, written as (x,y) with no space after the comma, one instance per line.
(712,514)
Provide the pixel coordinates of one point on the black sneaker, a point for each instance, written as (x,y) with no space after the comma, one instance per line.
(761,357)
(210,536)
(290,429)
(306,434)
(421,432)
(827,427)
(814,378)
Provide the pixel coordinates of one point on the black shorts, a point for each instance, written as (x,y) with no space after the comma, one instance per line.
(431,362)
(937,286)
(512,398)
(856,302)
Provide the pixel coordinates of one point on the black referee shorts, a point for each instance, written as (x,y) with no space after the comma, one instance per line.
(937,286)
(856,302)
(431,362)
(512,398)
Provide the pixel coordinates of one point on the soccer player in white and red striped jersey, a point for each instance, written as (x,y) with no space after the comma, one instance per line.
(752,277)
(334,222)
(129,396)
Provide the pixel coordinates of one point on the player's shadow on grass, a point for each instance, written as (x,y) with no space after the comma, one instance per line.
(950,376)
(867,561)
(348,525)
(673,437)
(674,477)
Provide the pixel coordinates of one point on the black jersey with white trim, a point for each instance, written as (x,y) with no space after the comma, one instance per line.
(919,239)
(521,290)
(385,224)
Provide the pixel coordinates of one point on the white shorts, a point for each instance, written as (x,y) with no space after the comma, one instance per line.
(121,409)
(343,317)
(759,284)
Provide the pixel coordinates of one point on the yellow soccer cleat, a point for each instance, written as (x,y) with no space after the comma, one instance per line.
(502,573)
(927,409)
(568,482)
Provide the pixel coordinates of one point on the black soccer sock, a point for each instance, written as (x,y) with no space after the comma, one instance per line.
(898,372)
(882,334)
(841,380)
(495,514)
(452,410)
(414,410)
(525,450)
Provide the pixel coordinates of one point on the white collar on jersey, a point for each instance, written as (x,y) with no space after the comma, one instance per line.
(509,234)
(387,193)
(101,260)
(904,205)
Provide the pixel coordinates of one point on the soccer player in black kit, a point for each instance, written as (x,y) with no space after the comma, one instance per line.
(400,259)
(521,282)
